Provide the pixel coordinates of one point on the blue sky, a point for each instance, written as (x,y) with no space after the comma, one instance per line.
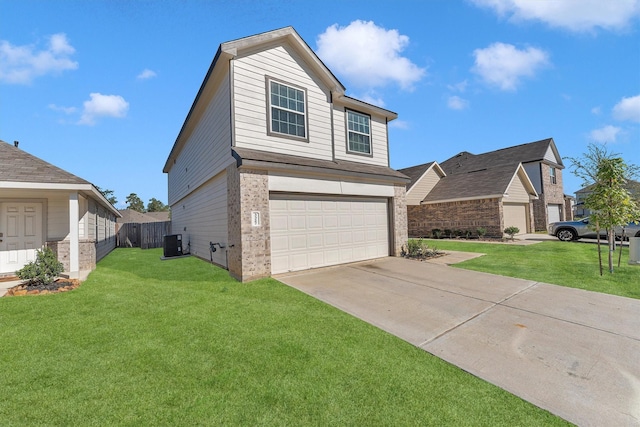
(101,88)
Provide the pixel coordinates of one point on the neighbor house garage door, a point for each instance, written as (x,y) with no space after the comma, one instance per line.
(515,214)
(554,213)
(309,232)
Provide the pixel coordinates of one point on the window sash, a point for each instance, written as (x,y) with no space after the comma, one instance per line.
(288,115)
(359,133)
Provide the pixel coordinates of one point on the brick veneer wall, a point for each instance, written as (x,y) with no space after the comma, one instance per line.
(87,253)
(551,194)
(463,215)
(399,219)
(249,247)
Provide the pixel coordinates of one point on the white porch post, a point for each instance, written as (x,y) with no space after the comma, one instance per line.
(74,241)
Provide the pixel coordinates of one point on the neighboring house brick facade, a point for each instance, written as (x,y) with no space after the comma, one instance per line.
(279,169)
(516,186)
(43,205)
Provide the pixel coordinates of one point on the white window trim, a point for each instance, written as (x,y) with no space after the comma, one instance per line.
(270,131)
(347,130)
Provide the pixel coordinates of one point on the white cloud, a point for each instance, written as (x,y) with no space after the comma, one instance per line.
(628,109)
(503,65)
(399,124)
(65,110)
(458,87)
(103,106)
(573,15)
(596,111)
(457,103)
(21,64)
(606,134)
(146,74)
(372,98)
(368,56)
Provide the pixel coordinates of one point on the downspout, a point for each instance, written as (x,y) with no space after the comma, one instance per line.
(231,105)
(386,122)
(333,137)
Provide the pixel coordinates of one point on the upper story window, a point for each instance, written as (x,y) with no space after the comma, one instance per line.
(552,174)
(287,110)
(359,133)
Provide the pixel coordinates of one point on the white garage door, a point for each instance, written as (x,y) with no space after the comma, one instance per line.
(554,213)
(515,214)
(309,232)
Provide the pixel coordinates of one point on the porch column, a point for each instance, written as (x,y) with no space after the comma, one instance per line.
(74,243)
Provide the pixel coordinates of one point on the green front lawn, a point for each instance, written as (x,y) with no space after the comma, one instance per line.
(150,342)
(571,264)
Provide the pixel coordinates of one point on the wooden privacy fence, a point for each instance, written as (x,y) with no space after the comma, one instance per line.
(145,235)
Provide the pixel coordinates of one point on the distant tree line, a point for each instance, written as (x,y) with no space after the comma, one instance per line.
(135,203)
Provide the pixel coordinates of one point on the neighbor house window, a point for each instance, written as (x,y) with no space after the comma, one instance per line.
(287,110)
(552,173)
(359,132)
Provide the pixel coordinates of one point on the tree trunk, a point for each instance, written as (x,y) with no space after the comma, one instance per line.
(611,236)
(599,250)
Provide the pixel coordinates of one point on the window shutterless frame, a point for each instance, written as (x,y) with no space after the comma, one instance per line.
(358,131)
(286,110)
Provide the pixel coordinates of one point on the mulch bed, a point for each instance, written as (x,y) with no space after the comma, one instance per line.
(60,285)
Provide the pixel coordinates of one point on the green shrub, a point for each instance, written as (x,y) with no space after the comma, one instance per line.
(511,231)
(436,233)
(481,232)
(448,233)
(43,270)
(419,249)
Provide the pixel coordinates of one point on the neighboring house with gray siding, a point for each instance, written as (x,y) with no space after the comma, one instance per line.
(43,205)
(279,168)
(581,211)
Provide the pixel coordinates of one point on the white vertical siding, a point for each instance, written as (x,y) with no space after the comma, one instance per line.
(208,150)
(423,187)
(201,217)
(250,103)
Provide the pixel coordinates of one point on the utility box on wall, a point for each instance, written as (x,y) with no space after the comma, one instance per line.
(172,245)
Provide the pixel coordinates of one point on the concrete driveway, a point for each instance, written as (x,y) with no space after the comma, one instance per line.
(575,353)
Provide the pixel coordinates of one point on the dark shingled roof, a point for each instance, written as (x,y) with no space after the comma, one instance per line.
(246,156)
(415,172)
(129,215)
(487,182)
(525,153)
(17,165)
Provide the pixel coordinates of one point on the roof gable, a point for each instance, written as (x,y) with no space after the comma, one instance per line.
(538,151)
(256,43)
(415,173)
(480,184)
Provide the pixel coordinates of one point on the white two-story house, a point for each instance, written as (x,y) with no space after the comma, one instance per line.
(279,169)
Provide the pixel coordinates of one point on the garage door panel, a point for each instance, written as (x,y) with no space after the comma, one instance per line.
(331,239)
(554,213)
(315,222)
(321,231)
(515,214)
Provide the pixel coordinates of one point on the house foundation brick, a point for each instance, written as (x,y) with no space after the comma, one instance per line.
(249,246)
(87,253)
(399,219)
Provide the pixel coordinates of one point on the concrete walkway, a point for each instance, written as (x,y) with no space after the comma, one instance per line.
(575,353)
